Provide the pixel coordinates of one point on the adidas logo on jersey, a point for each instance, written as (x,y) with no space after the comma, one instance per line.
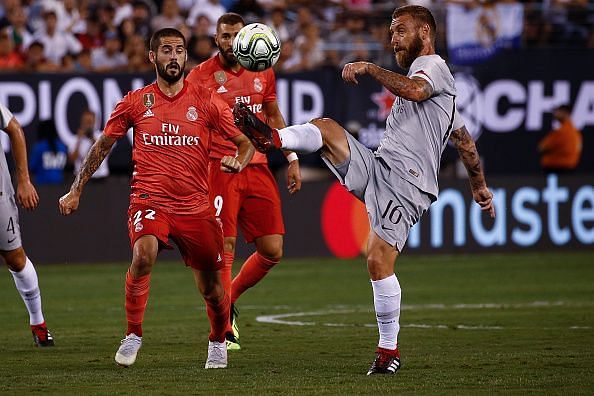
(222,89)
(148,113)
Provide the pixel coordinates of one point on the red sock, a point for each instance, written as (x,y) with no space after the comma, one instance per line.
(137,293)
(253,270)
(218,316)
(226,276)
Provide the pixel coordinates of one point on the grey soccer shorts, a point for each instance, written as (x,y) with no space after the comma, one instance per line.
(10,231)
(393,204)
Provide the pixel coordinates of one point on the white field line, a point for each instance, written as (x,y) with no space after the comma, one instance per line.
(284,318)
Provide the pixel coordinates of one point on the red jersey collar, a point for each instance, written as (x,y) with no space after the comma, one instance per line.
(228,69)
(172,98)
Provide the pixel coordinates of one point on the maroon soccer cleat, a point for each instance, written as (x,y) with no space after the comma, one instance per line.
(263,137)
(386,362)
(41,335)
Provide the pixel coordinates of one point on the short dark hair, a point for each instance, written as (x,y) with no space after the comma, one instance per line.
(166,32)
(565,108)
(230,18)
(420,14)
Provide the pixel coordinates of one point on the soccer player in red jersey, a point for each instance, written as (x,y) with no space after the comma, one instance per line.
(174,122)
(250,198)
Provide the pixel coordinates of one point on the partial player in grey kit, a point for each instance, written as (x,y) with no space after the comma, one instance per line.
(19,265)
(398,182)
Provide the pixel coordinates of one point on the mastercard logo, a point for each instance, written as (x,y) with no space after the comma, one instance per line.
(345,225)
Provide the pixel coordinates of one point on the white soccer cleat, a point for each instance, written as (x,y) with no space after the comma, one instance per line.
(126,354)
(217,355)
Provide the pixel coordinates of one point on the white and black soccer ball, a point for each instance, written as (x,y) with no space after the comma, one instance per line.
(256,47)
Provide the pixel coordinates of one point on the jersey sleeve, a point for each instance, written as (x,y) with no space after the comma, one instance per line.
(458,121)
(5,116)
(270,93)
(221,117)
(120,119)
(429,70)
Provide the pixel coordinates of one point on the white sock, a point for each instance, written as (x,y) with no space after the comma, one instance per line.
(28,286)
(304,138)
(386,299)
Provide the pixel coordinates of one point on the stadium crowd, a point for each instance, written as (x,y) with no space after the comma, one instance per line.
(111,36)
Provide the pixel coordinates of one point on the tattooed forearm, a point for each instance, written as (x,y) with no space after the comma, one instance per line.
(414,89)
(91,163)
(461,139)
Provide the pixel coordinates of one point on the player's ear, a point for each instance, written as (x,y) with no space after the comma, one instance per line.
(152,56)
(425,31)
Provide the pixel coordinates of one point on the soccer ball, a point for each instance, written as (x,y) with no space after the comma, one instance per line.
(256,47)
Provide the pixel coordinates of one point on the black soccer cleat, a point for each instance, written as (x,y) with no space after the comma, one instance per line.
(260,134)
(41,335)
(232,339)
(386,362)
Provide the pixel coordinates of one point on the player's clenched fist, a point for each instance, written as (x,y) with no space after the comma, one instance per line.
(68,203)
(230,164)
(354,69)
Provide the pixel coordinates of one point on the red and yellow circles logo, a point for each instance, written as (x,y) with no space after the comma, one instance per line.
(345,224)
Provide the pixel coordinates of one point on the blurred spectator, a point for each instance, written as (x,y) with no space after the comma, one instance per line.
(203,27)
(106,15)
(19,32)
(561,148)
(70,18)
(35,60)
(340,40)
(109,58)
(126,30)
(211,9)
(10,59)
(278,22)
(169,17)
(48,156)
(200,48)
(68,63)
(141,16)
(310,46)
(56,43)
(289,60)
(83,62)
(123,10)
(92,37)
(86,136)
(250,10)
(136,52)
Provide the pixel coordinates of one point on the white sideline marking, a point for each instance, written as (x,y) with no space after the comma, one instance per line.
(282,318)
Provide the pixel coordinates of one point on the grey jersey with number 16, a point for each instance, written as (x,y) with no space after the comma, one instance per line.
(6,189)
(417,132)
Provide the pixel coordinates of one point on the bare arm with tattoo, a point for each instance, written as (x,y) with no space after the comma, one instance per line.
(461,139)
(68,203)
(414,89)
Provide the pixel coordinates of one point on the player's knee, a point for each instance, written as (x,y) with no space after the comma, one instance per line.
(376,265)
(213,295)
(143,261)
(327,127)
(271,248)
(15,259)
(229,245)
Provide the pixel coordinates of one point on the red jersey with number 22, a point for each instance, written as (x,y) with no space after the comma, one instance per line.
(252,88)
(172,136)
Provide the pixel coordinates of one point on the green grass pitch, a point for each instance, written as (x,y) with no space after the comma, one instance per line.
(521,323)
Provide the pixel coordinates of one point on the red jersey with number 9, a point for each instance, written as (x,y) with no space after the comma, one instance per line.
(252,88)
(172,137)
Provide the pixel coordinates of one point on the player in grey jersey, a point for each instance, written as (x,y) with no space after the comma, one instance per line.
(398,182)
(21,268)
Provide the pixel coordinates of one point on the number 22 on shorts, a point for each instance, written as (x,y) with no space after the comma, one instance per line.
(149,214)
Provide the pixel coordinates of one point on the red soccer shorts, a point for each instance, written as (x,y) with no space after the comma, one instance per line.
(198,237)
(250,198)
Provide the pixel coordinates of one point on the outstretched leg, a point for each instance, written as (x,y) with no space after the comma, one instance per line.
(321,133)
